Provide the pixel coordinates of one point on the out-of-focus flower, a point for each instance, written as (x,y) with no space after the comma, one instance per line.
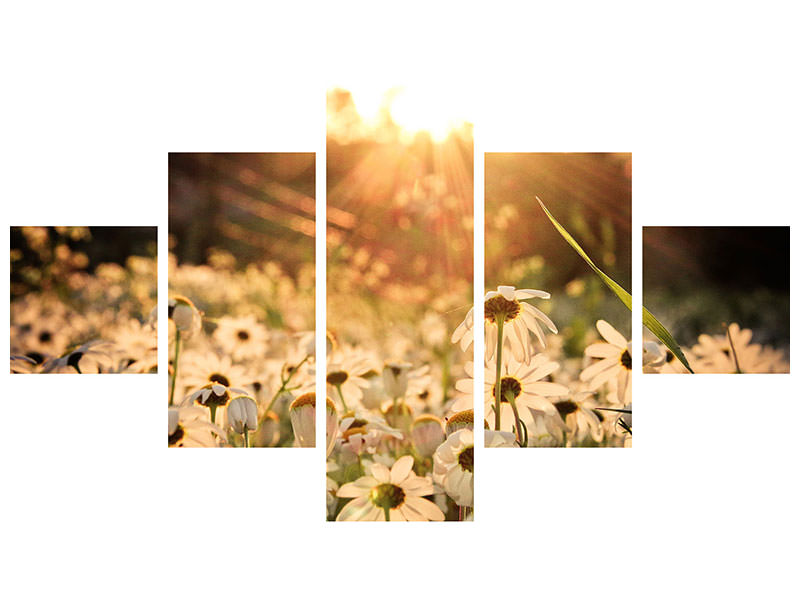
(427,434)
(241,337)
(724,353)
(399,415)
(395,378)
(331,425)
(392,495)
(269,430)
(185,315)
(453,466)
(344,376)
(91,357)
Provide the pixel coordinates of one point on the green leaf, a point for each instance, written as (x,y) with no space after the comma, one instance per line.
(648,319)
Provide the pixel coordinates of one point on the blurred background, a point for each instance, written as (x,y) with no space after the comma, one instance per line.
(241,234)
(399,235)
(44,258)
(590,195)
(252,206)
(697,278)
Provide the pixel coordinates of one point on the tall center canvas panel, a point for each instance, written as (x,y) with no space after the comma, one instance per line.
(399,282)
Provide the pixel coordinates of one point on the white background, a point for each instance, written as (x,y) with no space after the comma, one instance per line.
(94,97)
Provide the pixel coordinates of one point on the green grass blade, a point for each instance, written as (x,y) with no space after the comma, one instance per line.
(648,319)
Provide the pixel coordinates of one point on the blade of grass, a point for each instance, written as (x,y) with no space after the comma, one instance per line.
(648,319)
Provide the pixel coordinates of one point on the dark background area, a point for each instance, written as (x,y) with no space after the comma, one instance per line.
(590,195)
(105,244)
(697,278)
(257,206)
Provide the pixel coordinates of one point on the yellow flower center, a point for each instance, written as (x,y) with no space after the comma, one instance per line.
(387,495)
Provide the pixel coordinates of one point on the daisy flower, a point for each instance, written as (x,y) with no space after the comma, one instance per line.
(91,357)
(733,352)
(188,428)
(344,376)
(524,383)
(391,495)
(214,396)
(615,364)
(201,368)
(579,416)
(242,338)
(518,319)
(453,466)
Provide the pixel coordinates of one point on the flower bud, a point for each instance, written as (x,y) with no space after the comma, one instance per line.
(302,412)
(243,414)
(269,430)
(373,395)
(427,433)
(184,314)
(331,425)
(400,416)
(395,379)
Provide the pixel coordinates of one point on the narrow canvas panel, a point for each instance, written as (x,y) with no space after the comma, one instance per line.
(557,240)
(241,306)
(399,282)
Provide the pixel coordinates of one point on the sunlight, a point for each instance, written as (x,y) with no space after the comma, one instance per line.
(414,106)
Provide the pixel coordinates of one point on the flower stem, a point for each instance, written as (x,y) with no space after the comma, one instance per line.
(246,438)
(341,397)
(175,366)
(386,512)
(212,408)
(733,350)
(498,379)
(517,425)
(285,381)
